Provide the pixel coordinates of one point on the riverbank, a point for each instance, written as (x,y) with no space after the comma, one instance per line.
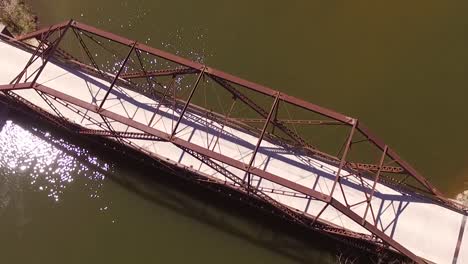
(17,16)
(463,197)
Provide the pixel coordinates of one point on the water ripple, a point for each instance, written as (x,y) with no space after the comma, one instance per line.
(49,164)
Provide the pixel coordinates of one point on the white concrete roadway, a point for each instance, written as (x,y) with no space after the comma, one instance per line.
(428,230)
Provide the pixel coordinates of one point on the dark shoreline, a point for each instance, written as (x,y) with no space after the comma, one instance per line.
(18,16)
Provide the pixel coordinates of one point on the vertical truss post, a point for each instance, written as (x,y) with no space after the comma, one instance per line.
(382,159)
(51,52)
(260,138)
(343,158)
(192,92)
(275,119)
(225,119)
(143,68)
(117,76)
(162,99)
(174,105)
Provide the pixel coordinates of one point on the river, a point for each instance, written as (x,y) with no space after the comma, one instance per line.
(400,67)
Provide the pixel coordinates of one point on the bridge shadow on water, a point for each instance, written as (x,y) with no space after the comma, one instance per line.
(186,199)
(219,211)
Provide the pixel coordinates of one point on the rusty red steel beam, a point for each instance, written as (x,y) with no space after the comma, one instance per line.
(343,157)
(116,77)
(157,73)
(368,200)
(275,118)
(217,73)
(39,32)
(12,87)
(289,121)
(374,167)
(192,92)
(119,134)
(260,138)
(234,163)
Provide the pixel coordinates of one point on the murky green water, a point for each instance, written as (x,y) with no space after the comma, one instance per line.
(400,67)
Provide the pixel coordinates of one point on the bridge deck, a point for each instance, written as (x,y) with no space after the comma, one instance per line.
(425,228)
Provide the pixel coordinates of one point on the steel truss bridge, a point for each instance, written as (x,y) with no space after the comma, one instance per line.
(322,169)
